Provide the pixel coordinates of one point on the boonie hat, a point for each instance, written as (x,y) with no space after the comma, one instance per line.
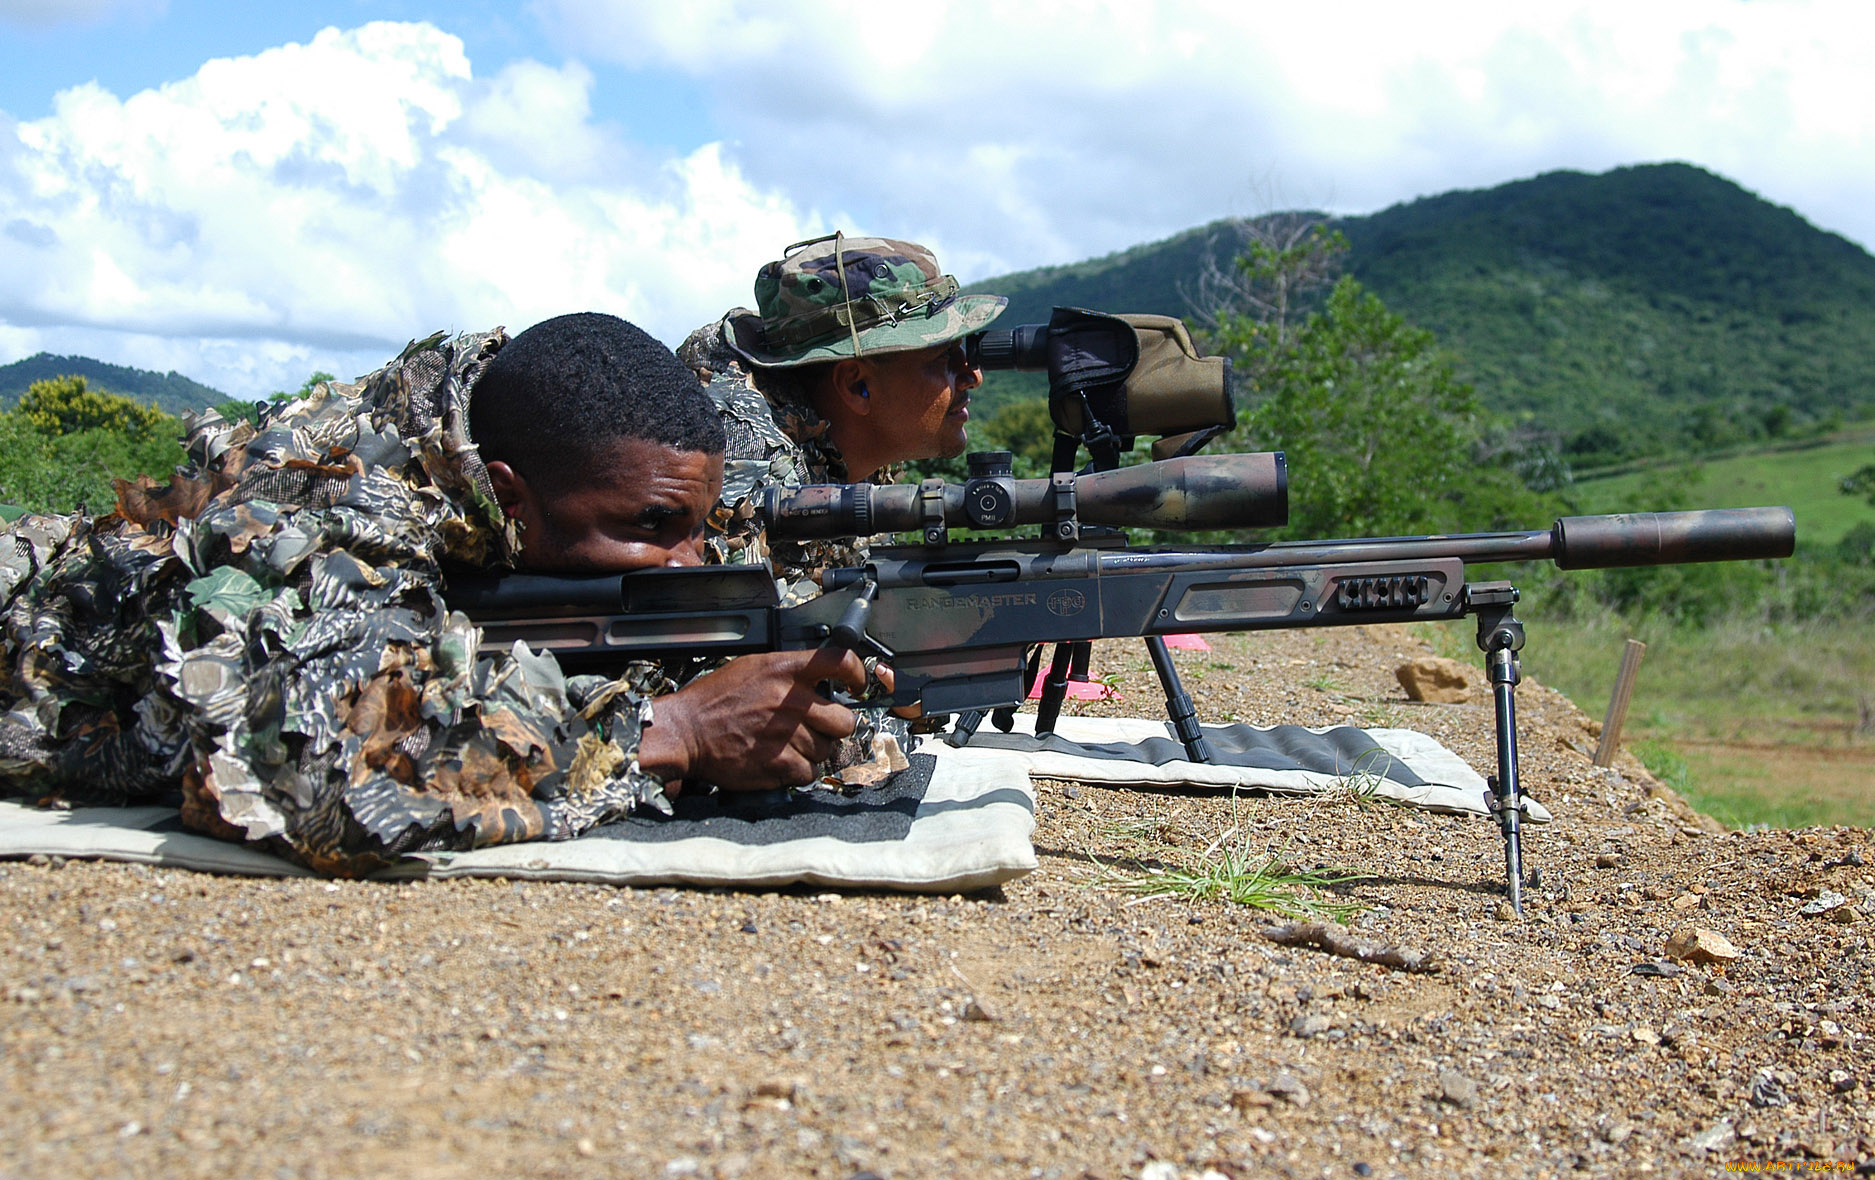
(835,296)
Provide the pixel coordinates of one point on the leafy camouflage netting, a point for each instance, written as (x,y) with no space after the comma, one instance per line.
(266,634)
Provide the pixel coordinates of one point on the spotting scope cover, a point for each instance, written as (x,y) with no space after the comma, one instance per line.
(1134,374)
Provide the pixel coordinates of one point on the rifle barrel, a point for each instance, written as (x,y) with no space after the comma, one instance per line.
(1573,542)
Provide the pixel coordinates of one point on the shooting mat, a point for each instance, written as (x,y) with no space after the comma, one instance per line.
(1399,764)
(945,825)
(957,820)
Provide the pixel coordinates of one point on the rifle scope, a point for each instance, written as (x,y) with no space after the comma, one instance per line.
(1127,374)
(1197,492)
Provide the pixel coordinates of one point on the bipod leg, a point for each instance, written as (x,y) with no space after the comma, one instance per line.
(963,729)
(1500,637)
(1054,689)
(1178,706)
(1003,718)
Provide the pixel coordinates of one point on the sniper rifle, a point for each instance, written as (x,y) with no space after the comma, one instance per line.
(956,619)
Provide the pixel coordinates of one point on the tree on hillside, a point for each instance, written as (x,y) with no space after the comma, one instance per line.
(66,442)
(1284,258)
(1382,437)
(67,405)
(1862,483)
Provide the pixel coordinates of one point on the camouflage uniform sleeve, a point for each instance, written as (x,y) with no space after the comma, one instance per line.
(267,634)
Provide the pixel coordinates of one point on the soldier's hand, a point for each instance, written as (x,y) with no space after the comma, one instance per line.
(756,723)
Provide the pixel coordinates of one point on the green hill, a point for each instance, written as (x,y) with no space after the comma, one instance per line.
(171,392)
(1642,311)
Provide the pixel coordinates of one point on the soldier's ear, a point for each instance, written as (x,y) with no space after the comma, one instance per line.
(849,387)
(511,490)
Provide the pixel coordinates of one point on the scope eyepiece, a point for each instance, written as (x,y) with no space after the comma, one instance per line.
(1121,375)
(1023,348)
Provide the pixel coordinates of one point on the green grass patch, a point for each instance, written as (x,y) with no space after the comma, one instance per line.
(1807,478)
(1260,880)
(1735,681)
(1754,725)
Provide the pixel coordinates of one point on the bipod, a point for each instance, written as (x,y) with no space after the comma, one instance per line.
(1500,638)
(1071,659)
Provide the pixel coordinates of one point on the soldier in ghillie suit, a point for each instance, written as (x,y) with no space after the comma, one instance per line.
(265,634)
(852,364)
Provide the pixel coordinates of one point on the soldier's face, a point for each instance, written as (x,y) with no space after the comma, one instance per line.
(642,505)
(922,399)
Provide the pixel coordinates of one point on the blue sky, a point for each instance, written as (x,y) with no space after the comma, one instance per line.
(244,193)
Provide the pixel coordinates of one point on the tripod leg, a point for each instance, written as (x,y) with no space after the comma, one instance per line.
(1178,706)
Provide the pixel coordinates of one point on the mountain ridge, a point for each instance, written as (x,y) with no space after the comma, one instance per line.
(170,392)
(1646,308)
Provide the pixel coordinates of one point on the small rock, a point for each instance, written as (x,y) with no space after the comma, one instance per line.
(979,1011)
(1289,1088)
(1842,915)
(1456,1089)
(1718,987)
(1435,679)
(1251,1099)
(1767,1091)
(1658,968)
(1615,1133)
(1686,901)
(1309,1026)
(1824,903)
(1645,1035)
(1841,1081)
(789,1088)
(1505,912)
(1699,945)
(1712,1138)
(1608,860)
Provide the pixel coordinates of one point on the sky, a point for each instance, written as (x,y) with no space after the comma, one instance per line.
(245,193)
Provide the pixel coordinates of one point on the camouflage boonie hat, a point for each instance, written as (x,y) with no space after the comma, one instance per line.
(833,297)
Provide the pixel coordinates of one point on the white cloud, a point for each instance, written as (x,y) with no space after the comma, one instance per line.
(342,196)
(1013,135)
(319,204)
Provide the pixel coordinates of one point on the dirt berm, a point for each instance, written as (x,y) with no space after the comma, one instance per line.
(167,1024)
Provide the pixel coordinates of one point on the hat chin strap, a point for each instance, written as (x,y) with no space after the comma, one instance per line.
(839,261)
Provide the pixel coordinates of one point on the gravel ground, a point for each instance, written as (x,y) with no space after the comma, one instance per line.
(179,1025)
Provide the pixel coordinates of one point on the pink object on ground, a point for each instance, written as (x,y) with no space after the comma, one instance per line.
(1079,690)
(1187,642)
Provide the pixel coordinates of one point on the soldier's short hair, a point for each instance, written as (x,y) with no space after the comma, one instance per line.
(564,390)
